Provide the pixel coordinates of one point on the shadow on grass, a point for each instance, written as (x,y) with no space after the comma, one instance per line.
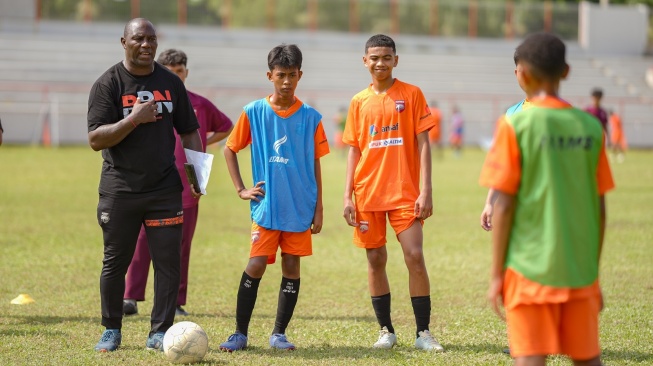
(491,348)
(353,353)
(324,352)
(613,355)
(272,316)
(48,319)
(29,333)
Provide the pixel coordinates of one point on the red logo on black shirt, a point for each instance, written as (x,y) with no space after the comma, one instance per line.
(163,100)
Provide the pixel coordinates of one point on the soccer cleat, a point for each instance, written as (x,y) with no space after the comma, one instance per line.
(110,341)
(180,311)
(279,341)
(155,342)
(129,307)
(427,342)
(386,339)
(235,342)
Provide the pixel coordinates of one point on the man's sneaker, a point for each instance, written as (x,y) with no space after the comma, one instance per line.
(155,342)
(180,311)
(235,342)
(386,339)
(427,342)
(110,341)
(129,307)
(279,341)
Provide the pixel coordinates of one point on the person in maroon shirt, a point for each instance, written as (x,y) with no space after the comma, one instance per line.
(596,110)
(214,126)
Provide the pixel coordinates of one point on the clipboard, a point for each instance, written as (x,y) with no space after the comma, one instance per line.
(192,176)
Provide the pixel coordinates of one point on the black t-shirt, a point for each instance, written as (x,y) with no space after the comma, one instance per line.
(142,163)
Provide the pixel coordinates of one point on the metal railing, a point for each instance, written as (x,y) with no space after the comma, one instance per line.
(449,18)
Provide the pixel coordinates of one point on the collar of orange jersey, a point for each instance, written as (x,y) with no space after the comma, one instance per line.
(287,112)
(548,101)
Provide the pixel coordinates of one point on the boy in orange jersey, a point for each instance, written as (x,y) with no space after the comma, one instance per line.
(387,130)
(549,169)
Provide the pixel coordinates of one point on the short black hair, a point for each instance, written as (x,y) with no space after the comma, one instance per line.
(285,56)
(597,93)
(172,57)
(380,40)
(545,52)
(128,26)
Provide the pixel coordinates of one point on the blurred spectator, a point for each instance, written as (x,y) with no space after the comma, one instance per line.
(596,110)
(617,137)
(435,132)
(457,129)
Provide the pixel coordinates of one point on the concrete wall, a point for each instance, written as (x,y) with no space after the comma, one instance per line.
(17,10)
(613,29)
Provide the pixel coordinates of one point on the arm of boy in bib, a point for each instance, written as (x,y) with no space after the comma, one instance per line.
(504,213)
(192,141)
(318,217)
(234,171)
(488,210)
(424,203)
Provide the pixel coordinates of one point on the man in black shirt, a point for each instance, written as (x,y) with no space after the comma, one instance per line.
(132,110)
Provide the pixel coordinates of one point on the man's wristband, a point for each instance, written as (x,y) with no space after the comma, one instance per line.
(130,120)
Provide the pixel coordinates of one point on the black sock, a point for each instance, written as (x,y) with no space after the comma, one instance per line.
(288,294)
(247,292)
(422,310)
(381,305)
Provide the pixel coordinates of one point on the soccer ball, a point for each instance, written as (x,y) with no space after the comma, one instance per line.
(185,342)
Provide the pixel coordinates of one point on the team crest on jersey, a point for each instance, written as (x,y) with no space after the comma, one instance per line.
(373,130)
(255,236)
(363,226)
(104,217)
(400,105)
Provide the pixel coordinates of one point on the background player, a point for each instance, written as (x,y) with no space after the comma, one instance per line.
(212,121)
(288,140)
(596,109)
(386,158)
(546,257)
(617,136)
(457,130)
(435,133)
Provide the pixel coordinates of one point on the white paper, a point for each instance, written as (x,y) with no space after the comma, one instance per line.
(202,163)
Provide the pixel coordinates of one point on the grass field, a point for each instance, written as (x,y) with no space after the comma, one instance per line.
(51,248)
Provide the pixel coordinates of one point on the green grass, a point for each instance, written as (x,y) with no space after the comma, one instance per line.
(51,248)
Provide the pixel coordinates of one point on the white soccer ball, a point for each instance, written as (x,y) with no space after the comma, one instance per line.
(185,342)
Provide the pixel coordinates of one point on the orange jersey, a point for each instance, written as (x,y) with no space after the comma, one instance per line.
(385,127)
(434,133)
(617,136)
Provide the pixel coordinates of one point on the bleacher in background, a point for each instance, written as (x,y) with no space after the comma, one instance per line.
(47,69)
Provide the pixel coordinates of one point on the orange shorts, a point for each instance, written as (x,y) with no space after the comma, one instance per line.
(570,327)
(265,243)
(370,232)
